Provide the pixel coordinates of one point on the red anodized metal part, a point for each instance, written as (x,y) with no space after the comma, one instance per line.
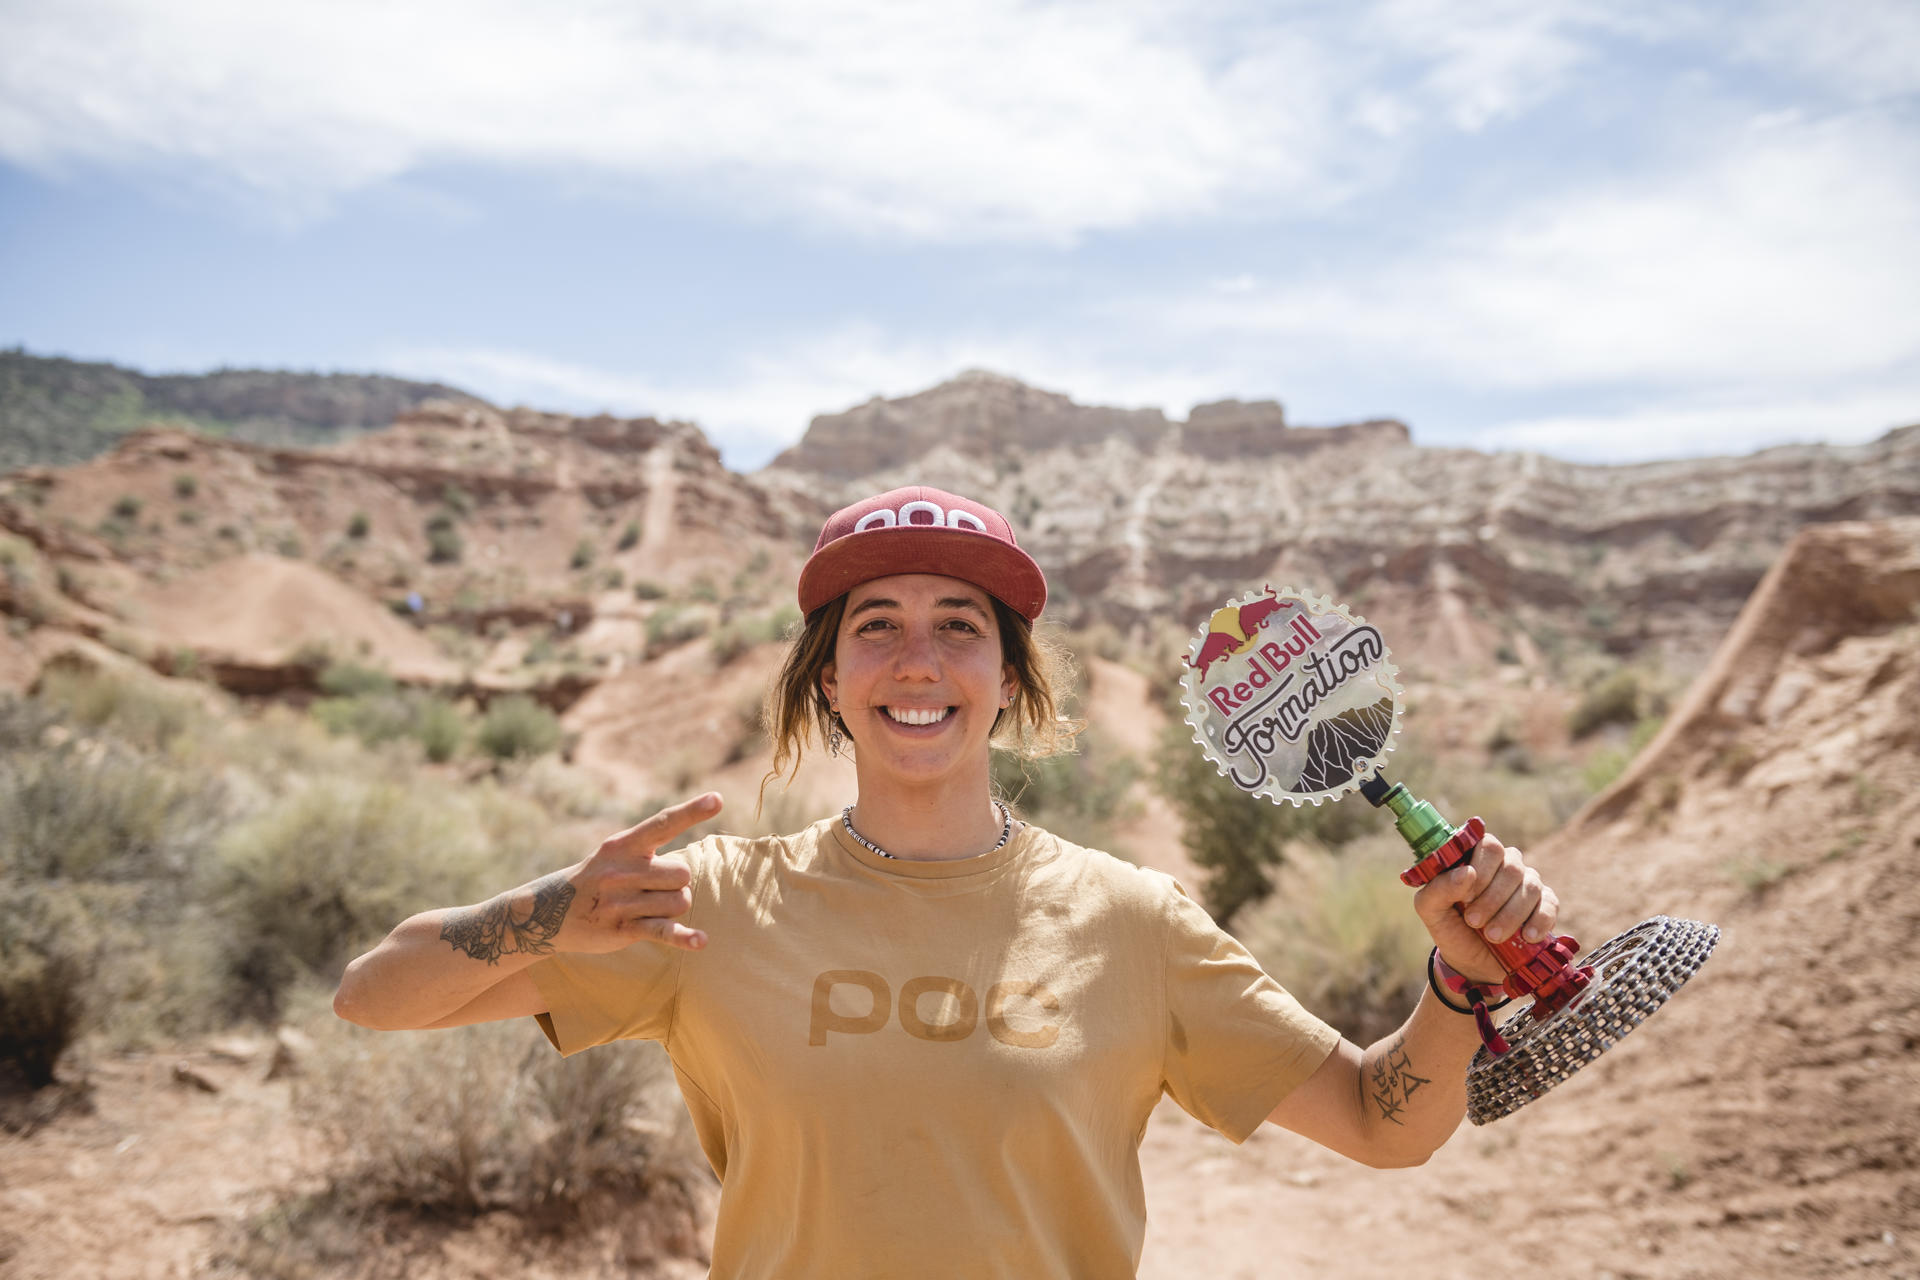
(1543,970)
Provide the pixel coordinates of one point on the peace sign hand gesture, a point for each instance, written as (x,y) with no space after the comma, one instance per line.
(625,891)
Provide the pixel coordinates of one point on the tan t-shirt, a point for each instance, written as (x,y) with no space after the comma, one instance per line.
(939,1068)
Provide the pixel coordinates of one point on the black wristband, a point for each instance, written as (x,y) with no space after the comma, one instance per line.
(1433,980)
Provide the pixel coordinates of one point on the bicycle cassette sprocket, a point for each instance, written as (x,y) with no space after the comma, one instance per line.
(1634,973)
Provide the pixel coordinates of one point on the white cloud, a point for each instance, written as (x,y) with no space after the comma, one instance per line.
(994,118)
(1681,429)
(1789,256)
(981,120)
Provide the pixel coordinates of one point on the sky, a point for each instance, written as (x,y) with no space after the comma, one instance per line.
(1611,231)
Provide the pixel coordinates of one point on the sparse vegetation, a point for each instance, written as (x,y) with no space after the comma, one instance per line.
(1341,935)
(185,486)
(670,626)
(516,726)
(1613,699)
(1240,840)
(1757,873)
(1077,796)
(647,589)
(629,537)
(582,554)
(126,507)
(734,638)
(444,545)
(359,525)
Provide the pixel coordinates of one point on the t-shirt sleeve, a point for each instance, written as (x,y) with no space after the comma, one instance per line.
(596,999)
(623,995)
(1236,1041)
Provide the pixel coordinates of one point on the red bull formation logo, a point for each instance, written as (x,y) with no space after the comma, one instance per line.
(1292,698)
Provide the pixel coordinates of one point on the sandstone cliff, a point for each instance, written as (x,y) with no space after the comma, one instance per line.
(1138,521)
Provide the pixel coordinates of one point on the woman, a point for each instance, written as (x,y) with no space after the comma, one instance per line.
(922,1038)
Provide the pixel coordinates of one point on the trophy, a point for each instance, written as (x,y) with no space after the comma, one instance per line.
(1297,700)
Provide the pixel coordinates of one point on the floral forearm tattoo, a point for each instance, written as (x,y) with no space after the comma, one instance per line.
(491,930)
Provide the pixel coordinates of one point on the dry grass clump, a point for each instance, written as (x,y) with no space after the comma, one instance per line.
(1339,932)
(587,1153)
(490,1117)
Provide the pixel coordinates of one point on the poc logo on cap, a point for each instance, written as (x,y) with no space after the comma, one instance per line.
(937,515)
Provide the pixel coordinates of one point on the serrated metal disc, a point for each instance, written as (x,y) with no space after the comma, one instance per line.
(1634,973)
(1292,697)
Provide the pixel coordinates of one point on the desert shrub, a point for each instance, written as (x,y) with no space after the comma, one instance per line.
(516,725)
(1340,933)
(350,679)
(358,525)
(43,974)
(1076,796)
(1239,839)
(373,718)
(185,485)
(669,627)
(647,589)
(126,507)
(488,1118)
(326,871)
(629,537)
(582,555)
(141,710)
(439,728)
(1613,699)
(734,638)
(86,810)
(457,500)
(443,538)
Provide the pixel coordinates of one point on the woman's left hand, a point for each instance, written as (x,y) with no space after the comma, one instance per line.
(1499,896)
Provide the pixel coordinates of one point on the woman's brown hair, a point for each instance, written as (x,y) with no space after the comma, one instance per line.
(1030,727)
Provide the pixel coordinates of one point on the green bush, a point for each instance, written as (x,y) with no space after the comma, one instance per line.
(42,1002)
(582,555)
(443,538)
(515,726)
(358,525)
(324,874)
(629,537)
(126,507)
(440,728)
(1615,699)
(646,589)
(350,679)
(185,486)
(1237,839)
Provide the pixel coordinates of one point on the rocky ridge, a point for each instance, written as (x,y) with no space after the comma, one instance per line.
(1140,522)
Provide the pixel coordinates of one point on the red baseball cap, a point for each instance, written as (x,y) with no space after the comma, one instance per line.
(922,530)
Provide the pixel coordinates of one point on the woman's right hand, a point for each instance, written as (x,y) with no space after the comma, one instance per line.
(625,891)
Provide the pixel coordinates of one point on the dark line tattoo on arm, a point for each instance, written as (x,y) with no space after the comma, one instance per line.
(1394,1083)
(491,930)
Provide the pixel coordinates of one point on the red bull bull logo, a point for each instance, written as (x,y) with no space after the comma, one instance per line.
(1292,698)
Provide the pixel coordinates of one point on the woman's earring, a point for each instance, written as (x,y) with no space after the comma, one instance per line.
(834,737)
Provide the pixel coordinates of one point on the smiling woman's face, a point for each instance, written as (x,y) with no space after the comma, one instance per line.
(917,675)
